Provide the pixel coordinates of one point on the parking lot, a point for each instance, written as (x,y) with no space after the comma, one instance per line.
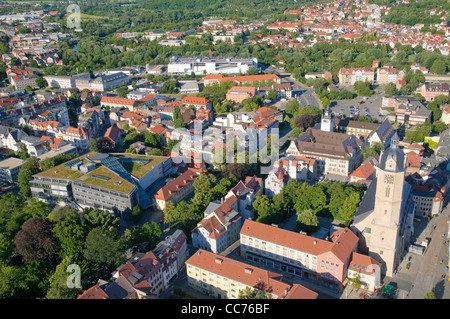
(361,106)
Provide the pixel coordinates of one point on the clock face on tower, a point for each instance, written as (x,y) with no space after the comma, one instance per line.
(388,179)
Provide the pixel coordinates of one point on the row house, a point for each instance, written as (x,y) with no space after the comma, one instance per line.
(223,278)
(144,276)
(351,75)
(324,261)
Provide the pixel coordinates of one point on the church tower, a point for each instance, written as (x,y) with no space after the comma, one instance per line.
(386,239)
(327,122)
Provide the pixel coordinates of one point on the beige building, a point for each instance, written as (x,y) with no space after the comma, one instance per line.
(350,76)
(178,189)
(224,278)
(384,218)
(445,114)
(335,153)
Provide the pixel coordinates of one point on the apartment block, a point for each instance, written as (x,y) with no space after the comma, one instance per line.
(224,278)
(323,261)
(9,169)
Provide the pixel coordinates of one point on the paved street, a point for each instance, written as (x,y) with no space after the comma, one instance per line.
(424,273)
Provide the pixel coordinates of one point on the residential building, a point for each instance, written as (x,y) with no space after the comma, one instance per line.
(367,270)
(365,173)
(323,261)
(178,189)
(387,75)
(275,181)
(298,167)
(351,75)
(144,276)
(430,90)
(368,131)
(118,102)
(224,278)
(219,227)
(197,102)
(9,170)
(406,110)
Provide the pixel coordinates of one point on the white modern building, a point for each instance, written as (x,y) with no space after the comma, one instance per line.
(210,65)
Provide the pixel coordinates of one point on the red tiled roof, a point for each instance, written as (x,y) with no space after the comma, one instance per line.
(117,100)
(195,100)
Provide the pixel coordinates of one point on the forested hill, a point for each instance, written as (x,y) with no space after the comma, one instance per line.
(413,12)
(117,15)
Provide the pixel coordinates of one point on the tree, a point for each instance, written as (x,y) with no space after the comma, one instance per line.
(178,121)
(263,209)
(430,295)
(136,214)
(363,88)
(248,293)
(304,121)
(41,82)
(35,241)
(390,89)
(439,67)
(95,145)
(23,152)
(58,288)
(237,169)
(71,235)
(439,127)
(98,218)
(148,234)
(272,94)
(28,169)
(103,249)
(307,221)
(122,91)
